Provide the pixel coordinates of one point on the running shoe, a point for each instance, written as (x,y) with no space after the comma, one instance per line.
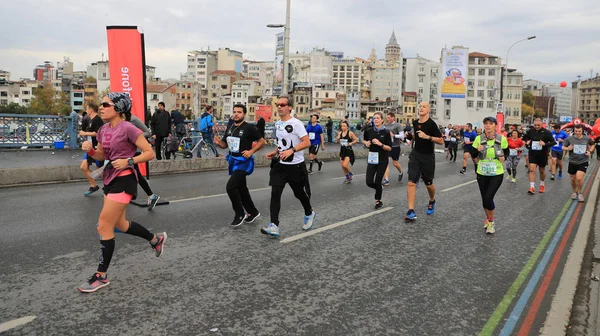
(508,177)
(542,189)
(560,174)
(462,172)
(271,230)
(152,200)
(237,221)
(250,218)
(94,283)
(490,228)
(351,176)
(320,165)
(385,183)
(411,215)
(159,247)
(574,196)
(553,177)
(580,198)
(400,176)
(486,223)
(514,180)
(431,208)
(531,191)
(378,205)
(347,180)
(310,172)
(91,191)
(308,221)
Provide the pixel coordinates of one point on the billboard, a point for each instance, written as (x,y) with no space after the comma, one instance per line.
(337,54)
(264,111)
(454,68)
(278,68)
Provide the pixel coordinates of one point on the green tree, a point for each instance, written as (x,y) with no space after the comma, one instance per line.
(13,108)
(91,80)
(48,101)
(528,98)
(539,113)
(526,111)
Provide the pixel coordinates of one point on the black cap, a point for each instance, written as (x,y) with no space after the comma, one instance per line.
(492,119)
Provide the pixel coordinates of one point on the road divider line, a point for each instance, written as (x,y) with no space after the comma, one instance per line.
(210,196)
(459,186)
(333,226)
(343,177)
(6,326)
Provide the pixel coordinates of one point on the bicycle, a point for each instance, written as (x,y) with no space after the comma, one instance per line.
(200,149)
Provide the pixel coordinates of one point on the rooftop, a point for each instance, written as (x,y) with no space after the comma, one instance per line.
(481,55)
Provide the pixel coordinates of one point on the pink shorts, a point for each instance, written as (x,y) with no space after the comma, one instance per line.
(121,197)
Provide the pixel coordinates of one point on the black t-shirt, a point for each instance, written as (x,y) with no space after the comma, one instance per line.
(541,135)
(240,138)
(384,136)
(94,126)
(429,127)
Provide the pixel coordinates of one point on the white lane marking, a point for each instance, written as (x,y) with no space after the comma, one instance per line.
(459,186)
(343,177)
(210,196)
(15,323)
(333,226)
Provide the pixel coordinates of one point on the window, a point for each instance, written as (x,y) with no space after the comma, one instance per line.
(480,93)
(470,93)
(490,104)
(481,72)
(492,72)
(326,94)
(481,82)
(469,103)
(317,94)
(471,72)
(516,112)
(77,103)
(224,87)
(239,95)
(3,102)
(491,83)
(421,69)
(479,104)
(471,82)
(213,78)
(26,92)
(420,90)
(154,97)
(420,79)
(78,95)
(518,81)
(316,103)
(507,111)
(517,96)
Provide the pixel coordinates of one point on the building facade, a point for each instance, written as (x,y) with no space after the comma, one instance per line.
(513,97)
(353,105)
(589,100)
(393,53)
(561,99)
(77,100)
(220,84)
(229,60)
(348,74)
(321,66)
(386,82)
(200,64)
(302,95)
(421,76)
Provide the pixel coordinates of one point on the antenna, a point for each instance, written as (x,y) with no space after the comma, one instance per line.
(102,57)
(591,73)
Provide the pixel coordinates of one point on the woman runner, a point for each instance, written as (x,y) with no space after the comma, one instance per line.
(118,141)
(346,139)
(515,145)
(379,142)
(490,149)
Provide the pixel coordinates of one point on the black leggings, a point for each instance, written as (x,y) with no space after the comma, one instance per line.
(239,195)
(488,186)
(453,149)
(142,180)
(375,176)
(299,192)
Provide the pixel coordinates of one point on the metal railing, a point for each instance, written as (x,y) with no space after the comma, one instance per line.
(22,130)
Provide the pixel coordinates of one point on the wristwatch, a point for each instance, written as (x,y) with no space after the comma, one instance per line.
(130,162)
(430,138)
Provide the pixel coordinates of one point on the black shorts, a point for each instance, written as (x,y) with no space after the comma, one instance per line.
(421,166)
(557,154)
(446,143)
(314,149)
(539,158)
(574,168)
(284,173)
(347,153)
(127,184)
(395,153)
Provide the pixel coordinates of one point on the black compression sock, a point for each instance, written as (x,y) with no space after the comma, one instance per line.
(310,166)
(107,247)
(137,229)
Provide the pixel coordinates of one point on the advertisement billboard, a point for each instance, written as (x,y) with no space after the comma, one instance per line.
(454,69)
(278,68)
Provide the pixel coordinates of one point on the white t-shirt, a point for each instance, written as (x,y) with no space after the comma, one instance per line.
(447,133)
(288,135)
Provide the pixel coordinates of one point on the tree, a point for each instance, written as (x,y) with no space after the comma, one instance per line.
(528,98)
(526,111)
(91,80)
(13,108)
(539,113)
(47,101)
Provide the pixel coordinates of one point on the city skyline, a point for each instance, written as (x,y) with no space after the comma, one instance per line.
(78,31)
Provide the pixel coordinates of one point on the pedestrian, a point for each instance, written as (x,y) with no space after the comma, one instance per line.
(346,139)
(539,140)
(421,161)
(446,135)
(515,148)
(329,127)
(397,135)
(288,166)
(379,142)
(178,122)
(491,149)
(239,138)
(580,148)
(317,141)
(453,144)
(206,128)
(117,142)
(161,129)
(90,125)
(556,151)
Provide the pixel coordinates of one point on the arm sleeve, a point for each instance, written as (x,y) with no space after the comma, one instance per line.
(504,146)
(210,122)
(139,124)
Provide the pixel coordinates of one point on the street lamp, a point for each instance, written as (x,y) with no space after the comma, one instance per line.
(286,45)
(548,119)
(506,71)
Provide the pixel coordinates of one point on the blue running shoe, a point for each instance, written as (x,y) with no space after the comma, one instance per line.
(308,221)
(431,208)
(271,230)
(410,216)
(560,174)
(91,191)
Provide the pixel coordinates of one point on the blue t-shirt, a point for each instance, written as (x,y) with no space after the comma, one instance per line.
(560,135)
(471,136)
(314,133)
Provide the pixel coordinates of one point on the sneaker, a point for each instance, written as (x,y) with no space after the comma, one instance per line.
(310,172)
(320,165)
(152,200)
(385,183)
(91,191)
(486,223)
(251,218)
(351,176)
(531,191)
(553,177)
(159,247)
(400,176)
(308,221)
(347,180)
(542,189)
(560,174)
(94,283)
(378,205)
(514,180)
(271,230)
(574,196)
(580,198)
(508,177)
(462,172)
(431,208)
(411,215)
(490,228)
(237,221)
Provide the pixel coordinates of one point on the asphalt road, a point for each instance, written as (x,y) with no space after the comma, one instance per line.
(440,275)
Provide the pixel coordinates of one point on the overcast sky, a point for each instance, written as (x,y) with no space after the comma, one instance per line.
(567,43)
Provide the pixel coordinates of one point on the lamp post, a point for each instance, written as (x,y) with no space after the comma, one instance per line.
(506,71)
(548,119)
(286,45)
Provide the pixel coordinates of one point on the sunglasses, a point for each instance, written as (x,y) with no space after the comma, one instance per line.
(282,105)
(106,104)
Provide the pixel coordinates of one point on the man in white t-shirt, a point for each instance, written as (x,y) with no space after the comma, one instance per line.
(288,166)
(447,131)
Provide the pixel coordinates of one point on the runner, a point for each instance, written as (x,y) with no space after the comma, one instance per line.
(152,197)
(397,134)
(515,146)
(525,149)
(580,149)
(117,142)
(468,138)
(379,142)
(421,161)
(288,167)
(491,150)
(346,139)
(239,138)
(539,140)
(317,141)
(453,146)
(556,151)
(89,128)
(447,131)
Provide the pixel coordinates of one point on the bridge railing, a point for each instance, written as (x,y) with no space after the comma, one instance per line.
(23,130)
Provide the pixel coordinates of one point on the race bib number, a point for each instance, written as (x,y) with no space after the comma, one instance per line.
(311,136)
(488,168)
(535,145)
(344,142)
(234,144)
(452,139)
(513,152)
(579,149)
(373,158)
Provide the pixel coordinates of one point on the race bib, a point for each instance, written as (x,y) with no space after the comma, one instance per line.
(234,144)
(311,136)
(344,142)
(488,168)
(452,139)
(373,158)
(579,149)
(535,145)
(513,152)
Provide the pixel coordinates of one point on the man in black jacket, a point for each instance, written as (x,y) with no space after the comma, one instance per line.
(179,122)
(539,141)
(161,128)
(329,127)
